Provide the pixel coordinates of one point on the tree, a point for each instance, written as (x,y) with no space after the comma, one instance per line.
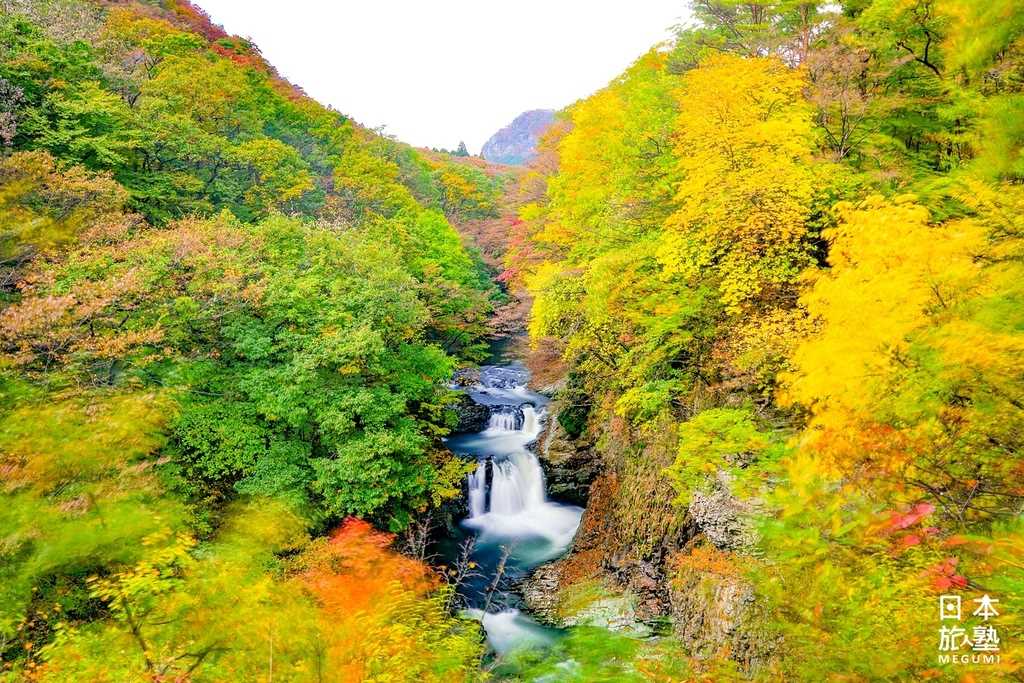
(45,204)
(743,206)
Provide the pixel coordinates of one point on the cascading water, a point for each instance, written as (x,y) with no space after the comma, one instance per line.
(516,526)
(517,479)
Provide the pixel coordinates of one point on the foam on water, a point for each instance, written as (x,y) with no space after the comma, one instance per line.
(510,630)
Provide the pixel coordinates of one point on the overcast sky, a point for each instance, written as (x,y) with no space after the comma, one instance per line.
(438,71)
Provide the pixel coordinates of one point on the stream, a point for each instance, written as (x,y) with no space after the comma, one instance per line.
(513,525)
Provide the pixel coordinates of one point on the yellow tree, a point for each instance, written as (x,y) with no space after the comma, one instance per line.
(744,138)
(615,166)
(892,275)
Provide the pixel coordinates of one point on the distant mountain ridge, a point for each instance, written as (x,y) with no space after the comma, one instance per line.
(516,143)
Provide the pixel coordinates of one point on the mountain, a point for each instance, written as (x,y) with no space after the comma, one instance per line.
(516,143)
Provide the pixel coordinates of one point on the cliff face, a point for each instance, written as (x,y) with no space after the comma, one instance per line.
(516,143)
(639,563)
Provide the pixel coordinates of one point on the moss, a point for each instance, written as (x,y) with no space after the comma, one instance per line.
(573,419)
(578,596)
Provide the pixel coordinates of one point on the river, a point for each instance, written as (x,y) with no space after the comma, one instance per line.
(513,525)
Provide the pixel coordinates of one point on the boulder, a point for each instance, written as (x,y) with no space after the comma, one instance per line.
(472,416)
(466,377)
(599,606)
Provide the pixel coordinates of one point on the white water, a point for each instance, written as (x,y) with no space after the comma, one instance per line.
(510,629)
(518,513)
(508,505)
(478,490)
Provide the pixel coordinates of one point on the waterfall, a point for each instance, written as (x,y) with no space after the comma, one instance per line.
(518,481)
(531,426)
(478,490)
(515,526)
(518,484)
(503,421)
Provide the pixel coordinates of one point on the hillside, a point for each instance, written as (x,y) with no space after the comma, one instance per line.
(229,318)
(780,259)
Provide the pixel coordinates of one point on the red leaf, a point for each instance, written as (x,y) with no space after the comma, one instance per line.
(906,520)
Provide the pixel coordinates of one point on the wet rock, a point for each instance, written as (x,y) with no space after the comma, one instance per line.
(616,613)
(472,416)
(614,610)
(569,466)
(466,377)
(540,592)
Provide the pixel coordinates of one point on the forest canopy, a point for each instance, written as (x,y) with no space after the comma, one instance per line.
(781,257)
(229,318)
(777,264)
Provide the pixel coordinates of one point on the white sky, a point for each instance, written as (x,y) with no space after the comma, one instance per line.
(438,71)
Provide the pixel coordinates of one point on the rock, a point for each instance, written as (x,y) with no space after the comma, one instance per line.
(712,612)
(646,582)
(540,592)
(516,143)
(613,610)
(569,466)
(473,417)
(616,613)
(551,389)
(721,517)
(466,377)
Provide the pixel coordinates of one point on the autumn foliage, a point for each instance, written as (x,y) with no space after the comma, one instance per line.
(216,291)
(779,262)
(377,603)
(794,236)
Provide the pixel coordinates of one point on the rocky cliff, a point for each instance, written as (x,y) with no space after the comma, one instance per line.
(516,143)
(640,564)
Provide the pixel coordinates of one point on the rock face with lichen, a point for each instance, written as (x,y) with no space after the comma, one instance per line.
(721,517)
(586,604)
(640,563)
(540,592)
(569,465)
(516,143)
(714,611)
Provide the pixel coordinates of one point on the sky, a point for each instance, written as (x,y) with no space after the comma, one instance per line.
(434,72)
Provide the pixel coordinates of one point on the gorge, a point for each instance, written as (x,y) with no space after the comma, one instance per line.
(722,380)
